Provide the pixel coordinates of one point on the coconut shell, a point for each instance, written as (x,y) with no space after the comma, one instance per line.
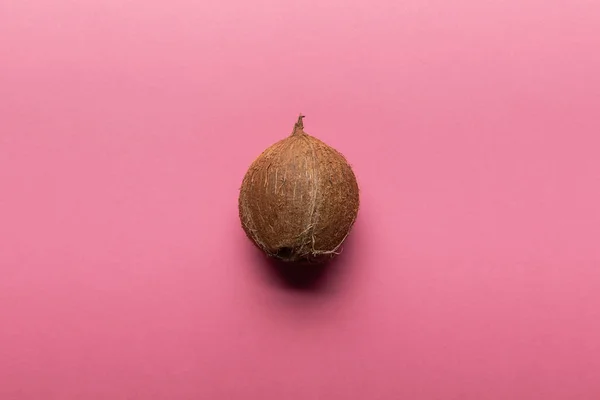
(299,199)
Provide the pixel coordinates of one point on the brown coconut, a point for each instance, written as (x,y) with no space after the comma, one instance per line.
(299,199)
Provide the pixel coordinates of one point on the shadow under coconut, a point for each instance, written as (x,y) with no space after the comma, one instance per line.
(307,276)
(300,276)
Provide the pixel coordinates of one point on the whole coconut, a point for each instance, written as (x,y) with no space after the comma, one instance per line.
(299,199)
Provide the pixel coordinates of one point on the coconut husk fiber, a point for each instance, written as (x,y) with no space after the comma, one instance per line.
(299,199)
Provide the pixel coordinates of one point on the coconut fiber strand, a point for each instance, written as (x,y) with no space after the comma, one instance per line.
(299,199)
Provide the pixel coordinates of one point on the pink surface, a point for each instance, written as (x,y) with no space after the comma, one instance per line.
(473,271)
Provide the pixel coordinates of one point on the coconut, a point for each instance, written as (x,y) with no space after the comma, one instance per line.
(299,199)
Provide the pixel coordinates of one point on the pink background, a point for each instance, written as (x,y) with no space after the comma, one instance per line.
(473,271)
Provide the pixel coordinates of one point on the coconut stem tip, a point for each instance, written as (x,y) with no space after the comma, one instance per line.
(299,126)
